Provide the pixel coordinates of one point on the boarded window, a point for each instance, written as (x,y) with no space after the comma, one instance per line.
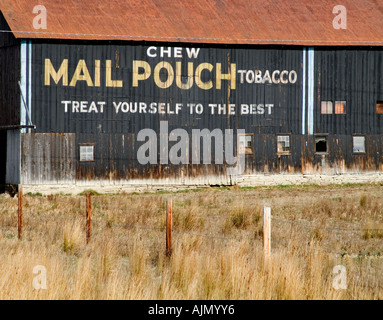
(358,144)
(283,144)
(326,107)
(340,107)
(379,107)
(87,153)
(321,144)
(246,144)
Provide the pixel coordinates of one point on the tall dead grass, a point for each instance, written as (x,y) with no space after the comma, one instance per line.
(217,245)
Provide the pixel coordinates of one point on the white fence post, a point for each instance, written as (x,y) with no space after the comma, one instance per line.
(266,231)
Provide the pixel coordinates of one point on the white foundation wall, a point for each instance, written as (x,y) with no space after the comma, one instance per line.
(174,185)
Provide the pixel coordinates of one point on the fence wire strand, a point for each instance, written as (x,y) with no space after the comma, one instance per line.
(305,225)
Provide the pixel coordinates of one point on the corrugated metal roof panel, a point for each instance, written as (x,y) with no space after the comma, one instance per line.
(304,22)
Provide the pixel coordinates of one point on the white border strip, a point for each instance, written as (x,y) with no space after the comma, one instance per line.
(23,82)
(304,92)
(30,81)
(310,113)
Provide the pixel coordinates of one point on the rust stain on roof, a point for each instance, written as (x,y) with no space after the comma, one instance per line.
(289,22)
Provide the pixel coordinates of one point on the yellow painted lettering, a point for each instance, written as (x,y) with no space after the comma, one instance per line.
(231,76)
(97,68)
(50,71)
(189,82)
(201,84)
(81,74)
(170,76)
(109,82)
(137,64)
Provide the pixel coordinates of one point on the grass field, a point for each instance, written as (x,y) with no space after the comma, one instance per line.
(217,245)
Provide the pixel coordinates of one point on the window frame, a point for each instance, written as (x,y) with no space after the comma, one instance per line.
(284,152)
(379,107)
(327,102)
(251,135)
(353,144)
(86,145)
(334,104)
(344,103)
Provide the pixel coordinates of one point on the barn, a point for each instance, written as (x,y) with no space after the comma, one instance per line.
(129,94)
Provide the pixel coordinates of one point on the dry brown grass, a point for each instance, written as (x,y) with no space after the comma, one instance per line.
(217,245)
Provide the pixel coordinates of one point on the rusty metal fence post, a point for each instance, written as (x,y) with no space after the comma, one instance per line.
(169,229)
(88,217)
(20,213)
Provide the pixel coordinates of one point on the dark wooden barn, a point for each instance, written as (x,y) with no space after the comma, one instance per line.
(188,92)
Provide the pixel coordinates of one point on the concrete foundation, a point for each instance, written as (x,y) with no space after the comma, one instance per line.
(241,181)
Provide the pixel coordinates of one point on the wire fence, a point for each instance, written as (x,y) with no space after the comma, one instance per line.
(90,211)
(278,226)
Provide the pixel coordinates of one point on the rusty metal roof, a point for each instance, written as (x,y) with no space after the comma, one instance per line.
(289,22)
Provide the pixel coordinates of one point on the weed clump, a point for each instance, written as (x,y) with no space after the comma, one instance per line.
(363,201)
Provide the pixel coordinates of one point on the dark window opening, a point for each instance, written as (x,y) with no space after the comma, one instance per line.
(321,144)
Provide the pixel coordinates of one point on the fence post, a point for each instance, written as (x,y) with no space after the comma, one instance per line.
(266,231)
(88,217)
(169,229)
(20,213)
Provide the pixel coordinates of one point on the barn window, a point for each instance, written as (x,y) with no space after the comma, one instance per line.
(379,107)
(321,144)
(326,107)
(246,144)
(358,144)
(340,107)
(87,153)
(283,144)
